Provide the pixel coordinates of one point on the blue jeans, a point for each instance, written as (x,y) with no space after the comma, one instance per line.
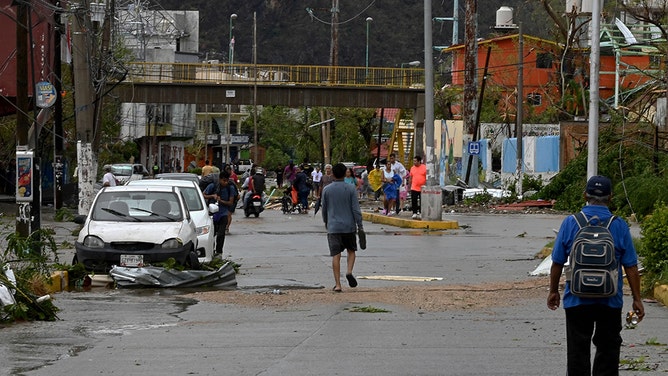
(580,324)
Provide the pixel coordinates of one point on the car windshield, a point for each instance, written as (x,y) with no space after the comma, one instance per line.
(121,170)
(192,197)
(137,207)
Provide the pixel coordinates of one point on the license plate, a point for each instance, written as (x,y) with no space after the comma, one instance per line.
(257,203)
(132,261)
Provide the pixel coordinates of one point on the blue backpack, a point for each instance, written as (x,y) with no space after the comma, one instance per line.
(594,270)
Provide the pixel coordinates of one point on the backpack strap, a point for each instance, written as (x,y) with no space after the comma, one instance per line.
(581,219)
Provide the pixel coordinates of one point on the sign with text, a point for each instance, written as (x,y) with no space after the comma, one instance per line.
(46,94)
(237,139)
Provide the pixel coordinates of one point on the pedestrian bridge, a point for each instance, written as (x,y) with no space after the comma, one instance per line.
(270,84)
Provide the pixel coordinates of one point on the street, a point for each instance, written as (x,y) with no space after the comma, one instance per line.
(161,331)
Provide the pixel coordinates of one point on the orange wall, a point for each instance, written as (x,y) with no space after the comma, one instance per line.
(503,69)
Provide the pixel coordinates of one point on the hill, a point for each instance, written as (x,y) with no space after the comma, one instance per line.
(288,34)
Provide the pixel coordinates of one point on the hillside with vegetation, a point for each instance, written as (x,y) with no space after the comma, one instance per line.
(288,34)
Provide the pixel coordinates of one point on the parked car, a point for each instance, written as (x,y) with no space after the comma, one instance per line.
(125,172)
(178,176)
(270,180)
(243,165)
(358,170)
(199,211)
(135,226)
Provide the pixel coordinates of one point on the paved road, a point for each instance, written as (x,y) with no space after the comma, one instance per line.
(147,331)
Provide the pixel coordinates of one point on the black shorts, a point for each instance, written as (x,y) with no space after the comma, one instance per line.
(340,242)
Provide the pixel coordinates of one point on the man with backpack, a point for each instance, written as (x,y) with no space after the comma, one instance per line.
(223,194)
(596,245)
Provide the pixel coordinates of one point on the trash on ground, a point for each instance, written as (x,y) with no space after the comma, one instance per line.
(153,276)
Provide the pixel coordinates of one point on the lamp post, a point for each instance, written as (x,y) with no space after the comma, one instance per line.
(233,16)
(368,21)
(413,64)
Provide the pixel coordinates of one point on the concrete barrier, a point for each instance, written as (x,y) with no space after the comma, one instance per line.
(410,223)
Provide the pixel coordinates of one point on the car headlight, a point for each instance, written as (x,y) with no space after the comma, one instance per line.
(93,242)
(172,243)
(202,230)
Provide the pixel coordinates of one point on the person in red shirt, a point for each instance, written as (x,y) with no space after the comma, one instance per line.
(416,179)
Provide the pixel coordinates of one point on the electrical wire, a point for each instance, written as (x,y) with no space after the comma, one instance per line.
(310,12)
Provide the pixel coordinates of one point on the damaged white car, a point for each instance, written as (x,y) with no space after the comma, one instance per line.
(135,226)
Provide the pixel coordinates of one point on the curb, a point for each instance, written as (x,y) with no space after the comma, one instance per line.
(410,223)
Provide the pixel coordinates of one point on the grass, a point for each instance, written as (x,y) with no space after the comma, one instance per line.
(368,309)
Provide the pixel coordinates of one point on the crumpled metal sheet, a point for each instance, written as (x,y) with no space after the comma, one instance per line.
(152,276)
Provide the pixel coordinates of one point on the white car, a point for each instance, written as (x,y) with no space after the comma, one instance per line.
(135,226)
(199,211)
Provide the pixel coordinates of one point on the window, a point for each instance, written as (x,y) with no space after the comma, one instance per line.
(543,60)
(534,99)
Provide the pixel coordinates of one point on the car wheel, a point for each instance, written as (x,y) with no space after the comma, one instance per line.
(75,260)
(192,261)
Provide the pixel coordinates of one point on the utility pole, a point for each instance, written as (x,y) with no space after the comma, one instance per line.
(84,97)
(520,109)
(58,118)
(432,195)
(470,65)
(334,49)
(22,122)
(594,67)
(255,154)
(455,23)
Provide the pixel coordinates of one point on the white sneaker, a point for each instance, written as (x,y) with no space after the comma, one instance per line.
(415,216)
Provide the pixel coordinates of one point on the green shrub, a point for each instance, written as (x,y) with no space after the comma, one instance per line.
(530,183)
(654,246)
(30,259)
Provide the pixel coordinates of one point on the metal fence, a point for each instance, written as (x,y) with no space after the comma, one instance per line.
(273,74)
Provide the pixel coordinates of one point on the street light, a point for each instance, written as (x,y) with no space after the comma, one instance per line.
(413,64)
(233,16)
(368,21)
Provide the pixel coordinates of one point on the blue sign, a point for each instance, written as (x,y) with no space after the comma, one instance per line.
(474,148)
(45,94)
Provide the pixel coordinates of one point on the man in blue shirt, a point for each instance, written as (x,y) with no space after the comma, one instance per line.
(604,315)
(223,194)
(343,217)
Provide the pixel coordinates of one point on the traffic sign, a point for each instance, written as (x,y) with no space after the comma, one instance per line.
(474,148)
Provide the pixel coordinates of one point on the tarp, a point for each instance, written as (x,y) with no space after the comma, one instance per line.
(152,276)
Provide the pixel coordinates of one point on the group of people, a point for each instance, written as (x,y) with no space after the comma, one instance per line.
(393,182)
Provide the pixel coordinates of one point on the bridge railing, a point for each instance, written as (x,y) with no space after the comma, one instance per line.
(273,74)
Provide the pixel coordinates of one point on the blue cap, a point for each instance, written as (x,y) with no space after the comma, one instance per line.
(599,186)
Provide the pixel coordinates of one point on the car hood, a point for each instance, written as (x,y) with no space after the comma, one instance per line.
(150,232)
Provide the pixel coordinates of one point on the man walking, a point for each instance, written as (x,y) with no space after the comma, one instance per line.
(416,179)
(222,194)
(600,317)
(343,217)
